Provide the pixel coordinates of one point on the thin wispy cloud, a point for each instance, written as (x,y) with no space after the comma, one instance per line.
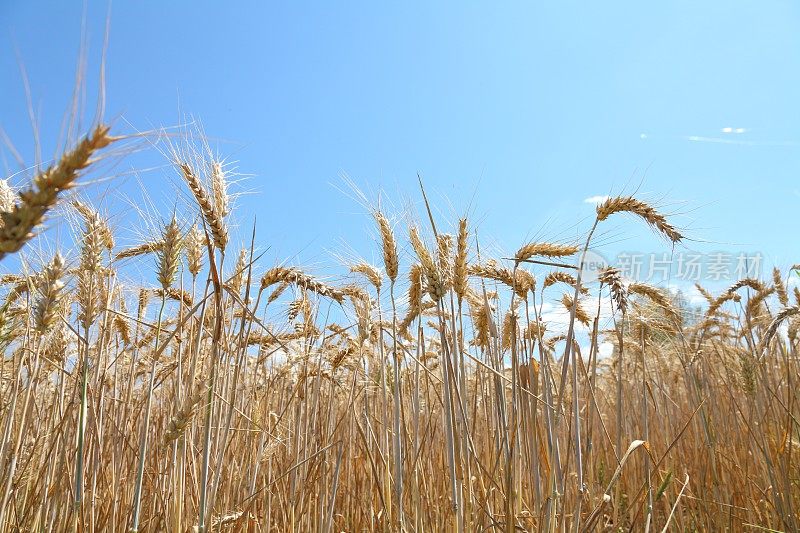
(698,138)
(595,199)
(730,134)
(718,140)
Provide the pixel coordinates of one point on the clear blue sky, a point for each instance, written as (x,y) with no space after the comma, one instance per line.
(515,111)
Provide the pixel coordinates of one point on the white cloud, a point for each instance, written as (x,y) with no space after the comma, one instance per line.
(700,139)
(595,199)
(605,349)
(727,130)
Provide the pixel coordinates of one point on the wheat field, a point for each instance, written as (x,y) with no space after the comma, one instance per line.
(424,393)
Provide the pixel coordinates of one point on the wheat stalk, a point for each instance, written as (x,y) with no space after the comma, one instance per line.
(19,222)
(211,215)
(545,249)
(629,204)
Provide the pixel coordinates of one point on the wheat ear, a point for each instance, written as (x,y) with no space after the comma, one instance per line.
(19,222)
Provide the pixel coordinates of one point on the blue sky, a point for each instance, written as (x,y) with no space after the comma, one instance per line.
(513,112)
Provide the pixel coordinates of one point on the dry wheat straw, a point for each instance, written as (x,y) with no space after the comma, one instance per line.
(434,284)
(212,217)
(46,309)
(780,288)
(545,249)
(772,330)
(460,274)
(656,296)
(298,277)
(370,272)
(19,222)
(629,204)
(219,188)
(389,246)
(139,250)
(612,277)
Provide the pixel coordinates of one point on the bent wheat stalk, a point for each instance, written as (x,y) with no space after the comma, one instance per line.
(19,223)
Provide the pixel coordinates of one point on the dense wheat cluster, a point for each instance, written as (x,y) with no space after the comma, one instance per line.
(426,393)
